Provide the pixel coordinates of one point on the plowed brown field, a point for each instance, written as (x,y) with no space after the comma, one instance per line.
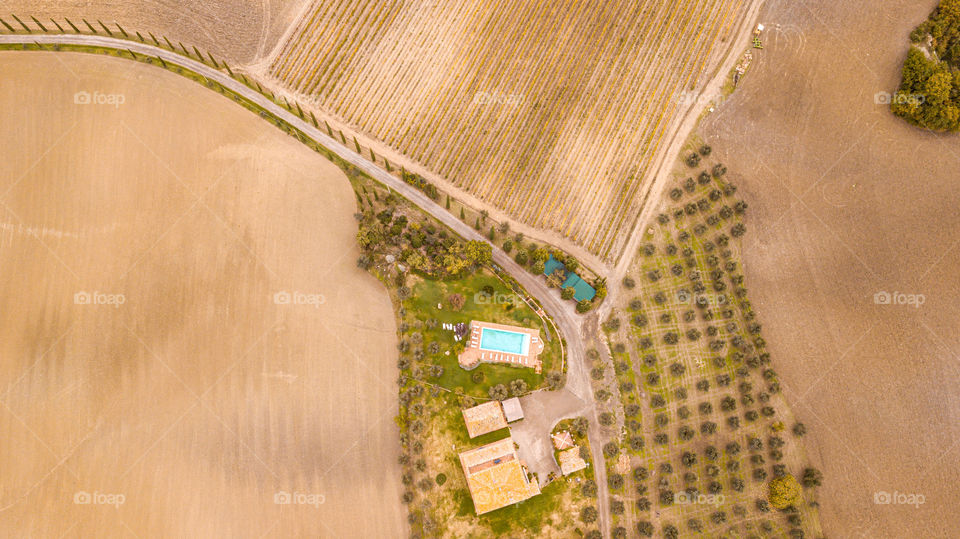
(199,401)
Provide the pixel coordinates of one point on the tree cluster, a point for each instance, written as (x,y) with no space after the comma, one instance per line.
(929,93)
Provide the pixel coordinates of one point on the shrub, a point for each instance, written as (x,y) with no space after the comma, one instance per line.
(441,479)
(588,514)
(579,426)
(615,481)
(456,301)
(640,473)
(611,449)
(499,392)
(784,492)
(812,477)
(589,488)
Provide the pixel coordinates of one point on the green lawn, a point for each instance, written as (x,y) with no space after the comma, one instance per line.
(423,304)
(528,514)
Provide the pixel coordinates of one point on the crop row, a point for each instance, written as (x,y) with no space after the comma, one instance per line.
(552,111)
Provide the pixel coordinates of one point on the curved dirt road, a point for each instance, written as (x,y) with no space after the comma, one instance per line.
(578,382)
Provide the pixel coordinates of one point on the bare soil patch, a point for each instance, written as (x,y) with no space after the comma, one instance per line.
(240,31)
(846,201)
(203,397)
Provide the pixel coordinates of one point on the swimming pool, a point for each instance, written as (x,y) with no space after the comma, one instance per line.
(508,342)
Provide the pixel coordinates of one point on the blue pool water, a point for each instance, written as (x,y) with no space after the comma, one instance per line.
(508,342)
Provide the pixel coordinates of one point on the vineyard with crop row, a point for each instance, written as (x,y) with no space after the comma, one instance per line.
(551,111)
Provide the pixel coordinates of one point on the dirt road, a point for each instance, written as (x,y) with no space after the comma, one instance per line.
(663,164)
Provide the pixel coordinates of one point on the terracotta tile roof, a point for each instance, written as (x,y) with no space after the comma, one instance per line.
(570,461)
(495,476)
(484,418)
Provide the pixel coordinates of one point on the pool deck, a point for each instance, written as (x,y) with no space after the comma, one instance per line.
(473,355)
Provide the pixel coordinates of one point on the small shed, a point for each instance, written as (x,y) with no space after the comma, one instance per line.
(582,289)
(484,418)
(552,265)
(512,410)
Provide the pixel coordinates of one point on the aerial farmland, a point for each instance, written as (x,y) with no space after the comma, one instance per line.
(409,268)
(549,113)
